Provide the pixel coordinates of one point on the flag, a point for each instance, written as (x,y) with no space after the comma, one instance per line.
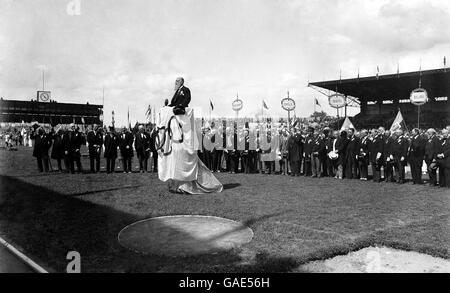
(82,120)
(265,106)
(347,124)
(211,104)
(358,72)
(398,69)
(378,71)
(445,61)
(399,122)
(149,111)
(317,102)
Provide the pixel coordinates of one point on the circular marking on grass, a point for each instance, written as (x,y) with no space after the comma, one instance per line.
(184,235)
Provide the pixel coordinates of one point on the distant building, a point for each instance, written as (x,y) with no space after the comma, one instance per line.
(13,111)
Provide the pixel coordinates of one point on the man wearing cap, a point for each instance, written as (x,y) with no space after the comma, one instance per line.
(142,144)
(416,154)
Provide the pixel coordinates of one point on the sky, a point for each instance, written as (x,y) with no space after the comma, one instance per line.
(258,49)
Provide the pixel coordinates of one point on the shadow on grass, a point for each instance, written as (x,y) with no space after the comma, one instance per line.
(231,186)
(47,225)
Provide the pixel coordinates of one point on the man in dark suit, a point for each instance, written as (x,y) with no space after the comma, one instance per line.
(351,156)
(416,154)
(126,149)
(295,152)
(363,155)
(376,153)
(95,142)
(42,144)
(307,150)
(317,149)
(432,148)
(388,156)
(76,140)
(142,145)
(181,97)
(400,152)
(444,158)
(153,139)
(111,144)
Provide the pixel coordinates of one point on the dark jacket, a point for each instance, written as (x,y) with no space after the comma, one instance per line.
(142,144)
(352,148)
(364,148)
(417,147)
(76,140)
(432,148)
(318,146)
(307,148)
(445,149)
(95,141)
(376,145)
(182,98)
(400,149)
(295,147)
(111,144)
(341,146)
(42,144)
(126,144)
(58,147)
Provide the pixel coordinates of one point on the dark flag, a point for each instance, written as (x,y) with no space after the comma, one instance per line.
(211,104)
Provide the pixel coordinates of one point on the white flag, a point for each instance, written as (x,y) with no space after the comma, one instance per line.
(397,124)
(347,124)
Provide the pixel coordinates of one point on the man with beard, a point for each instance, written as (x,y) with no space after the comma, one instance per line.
(126,149)
(142,146)
(388,156)
(416,154)
(95,142)
(351,156)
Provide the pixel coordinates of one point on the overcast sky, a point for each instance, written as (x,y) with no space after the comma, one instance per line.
(258,48)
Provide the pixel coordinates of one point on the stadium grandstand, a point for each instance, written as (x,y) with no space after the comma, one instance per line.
(380,97)
(51,112)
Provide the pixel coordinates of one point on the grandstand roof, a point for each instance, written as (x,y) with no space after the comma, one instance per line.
(391,86)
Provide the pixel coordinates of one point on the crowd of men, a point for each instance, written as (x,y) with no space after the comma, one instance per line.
(345,154)
(66,142)
(302,150)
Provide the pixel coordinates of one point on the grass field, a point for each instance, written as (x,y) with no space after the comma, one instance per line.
(295,219)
